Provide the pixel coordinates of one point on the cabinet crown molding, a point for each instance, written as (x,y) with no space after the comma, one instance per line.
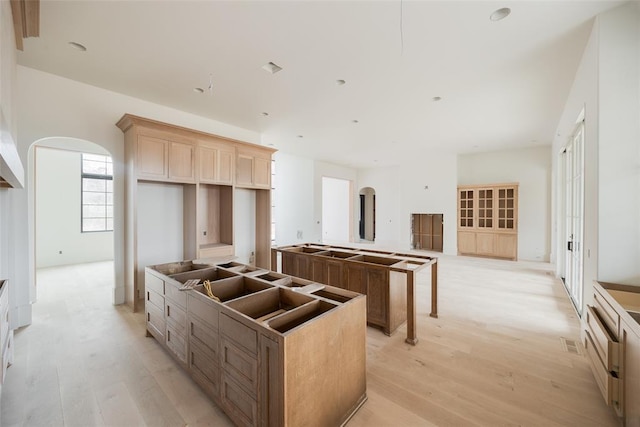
(129,120)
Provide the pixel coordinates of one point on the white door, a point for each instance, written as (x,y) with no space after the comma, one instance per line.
(574,216)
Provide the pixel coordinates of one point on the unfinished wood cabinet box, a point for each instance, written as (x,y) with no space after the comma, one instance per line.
(387,278)
(258,349)
(612,341)
(488,220)
(205,167)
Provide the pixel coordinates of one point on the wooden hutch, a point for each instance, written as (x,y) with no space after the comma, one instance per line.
(209,169)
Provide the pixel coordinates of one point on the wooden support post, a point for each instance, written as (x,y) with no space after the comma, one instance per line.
(274,260)
(411,309)
(434,289)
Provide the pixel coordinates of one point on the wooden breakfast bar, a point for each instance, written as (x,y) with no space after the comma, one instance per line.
(387,278)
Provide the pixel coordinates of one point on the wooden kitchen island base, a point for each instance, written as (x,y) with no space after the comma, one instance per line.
(386,278)
(270,349)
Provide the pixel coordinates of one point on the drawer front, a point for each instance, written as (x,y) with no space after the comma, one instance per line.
(177,296)
(203,335)
(608,315)
(607,383)
(207,311)
(210,388)
(155,298)
(203,362)
(237,404)
(177,343)
(242,335)
(154,283)
(176,317)
(604,344)
(239,365)
(155,321)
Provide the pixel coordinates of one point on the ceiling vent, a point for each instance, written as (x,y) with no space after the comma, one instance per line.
(271,68)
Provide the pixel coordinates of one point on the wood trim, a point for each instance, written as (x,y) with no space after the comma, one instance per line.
(129,120)
(26,20)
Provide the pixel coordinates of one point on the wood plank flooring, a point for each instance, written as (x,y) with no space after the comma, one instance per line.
(494,357)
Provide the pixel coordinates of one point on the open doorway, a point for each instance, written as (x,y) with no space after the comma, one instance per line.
(367,222)
(73,221)
(336,210)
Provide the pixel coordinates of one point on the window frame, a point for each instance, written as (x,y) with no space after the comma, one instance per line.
(105,177)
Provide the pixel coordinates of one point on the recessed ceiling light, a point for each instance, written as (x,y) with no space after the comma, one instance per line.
(340,82)
(436,98)
(500,14)
(198,90)
(271,68)
(264,113)
(78,46)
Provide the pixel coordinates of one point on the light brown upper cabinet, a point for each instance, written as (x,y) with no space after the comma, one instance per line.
(253,169)
(205,169)
(163,159)
(217,162)
(488,220)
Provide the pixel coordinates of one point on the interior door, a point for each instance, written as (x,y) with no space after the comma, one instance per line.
(574,217)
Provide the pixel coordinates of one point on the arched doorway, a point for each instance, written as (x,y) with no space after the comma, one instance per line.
(71,195)
(367,223)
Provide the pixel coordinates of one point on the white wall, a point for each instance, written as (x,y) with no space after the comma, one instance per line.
(618,145)
(385,182)
(336,210)
(531,169)
(59,239)
(49,105)
(606,87)
(244,224)
(293,199)
(438,172)
(160,231)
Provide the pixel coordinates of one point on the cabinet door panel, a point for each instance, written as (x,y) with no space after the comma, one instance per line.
(262,172)
(377,294)
(208,162)
(271,385)
(335,276)
(506,246)
(181,161)
(225,166)
(244,170)
(152,157)
(485,244)
(466,242)
(317,269)
(356,279)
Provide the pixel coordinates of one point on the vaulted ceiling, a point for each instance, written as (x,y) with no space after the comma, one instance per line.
(418,75)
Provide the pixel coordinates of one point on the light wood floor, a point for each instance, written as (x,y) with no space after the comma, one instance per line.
(493,358)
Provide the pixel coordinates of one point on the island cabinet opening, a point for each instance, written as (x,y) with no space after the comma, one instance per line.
(256,341)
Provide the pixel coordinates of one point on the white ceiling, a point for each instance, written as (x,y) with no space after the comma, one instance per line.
(503,84)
